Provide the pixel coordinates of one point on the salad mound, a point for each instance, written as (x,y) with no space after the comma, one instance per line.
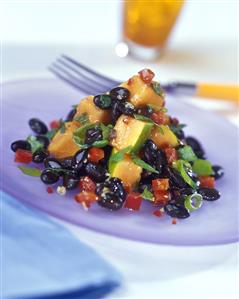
(119,149)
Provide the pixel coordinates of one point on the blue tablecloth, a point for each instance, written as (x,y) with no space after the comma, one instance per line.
(41,259)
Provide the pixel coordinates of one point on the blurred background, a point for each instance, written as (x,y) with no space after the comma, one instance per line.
(203,44)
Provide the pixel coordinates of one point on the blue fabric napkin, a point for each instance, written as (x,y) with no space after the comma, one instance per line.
(41,259)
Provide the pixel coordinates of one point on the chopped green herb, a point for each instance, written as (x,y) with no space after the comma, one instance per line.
(106,130)
(74,106)
(100,143)
(83,118)
(160,129)
(147,194)
(164,110)
(193,202)
(30,171)
(202,167)
(35,144)
(143,118)
(104,101)
(50,134)
(177,128)
(79,135)
(62,127)
(143,164)
(157,88)
(182,167)
(116,157)
(186,153)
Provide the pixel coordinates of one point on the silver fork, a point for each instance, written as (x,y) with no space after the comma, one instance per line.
(80,76)
(84,78)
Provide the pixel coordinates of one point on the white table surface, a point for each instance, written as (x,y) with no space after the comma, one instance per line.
(204,47)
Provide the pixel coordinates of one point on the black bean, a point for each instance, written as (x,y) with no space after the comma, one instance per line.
(103,101)
(144,184)
(20,144)
(218,171)
(107,152)
(186,191)
(115,113)
(70,115)
(79,161)
(92,135)
(196,146)
(180,134)
(119,93)
(175,178)
(52,163)
(110,201)
(37,126)
(176,211)
(70,181)
(96,172)
(43,140)
(147,175)
(209,194)
(49,176)
(112,194)
(39,156)
(116,186)
(67,163)
(160,161)
(126,108)
(150,152)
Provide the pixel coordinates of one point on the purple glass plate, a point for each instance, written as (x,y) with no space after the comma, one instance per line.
(48,99)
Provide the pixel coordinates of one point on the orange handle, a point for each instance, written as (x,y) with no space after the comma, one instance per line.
(219,91)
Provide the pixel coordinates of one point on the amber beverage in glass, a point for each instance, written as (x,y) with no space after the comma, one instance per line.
(147,25)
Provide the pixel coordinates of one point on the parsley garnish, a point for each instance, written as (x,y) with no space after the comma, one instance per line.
(157,88)
(35,144)
(143,118)
(177,128)
(118,156)
(50,134)
(83,118)
(143,164)
(202,167)
(186,153)
(79,135)
(30,171)
(147,194)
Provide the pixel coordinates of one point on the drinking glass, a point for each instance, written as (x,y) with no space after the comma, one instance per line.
(147,25)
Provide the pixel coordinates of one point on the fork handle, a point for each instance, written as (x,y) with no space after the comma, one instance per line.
(218,91)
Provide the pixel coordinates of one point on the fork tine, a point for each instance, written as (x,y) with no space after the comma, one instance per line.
(63,75)
(84,76)
(90,71)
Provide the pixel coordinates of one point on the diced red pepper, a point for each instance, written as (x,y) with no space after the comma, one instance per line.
(158,213)
(49,190)
(207,182)
(160,118)
(55,124)
(86,198)
(95,154)
(161,197)
(171,154)
(160,184)
(133,201)
(174,221)
(146,75)
(23,156)
(86,184)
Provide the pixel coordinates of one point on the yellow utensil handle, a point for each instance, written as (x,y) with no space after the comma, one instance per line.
(218,91)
